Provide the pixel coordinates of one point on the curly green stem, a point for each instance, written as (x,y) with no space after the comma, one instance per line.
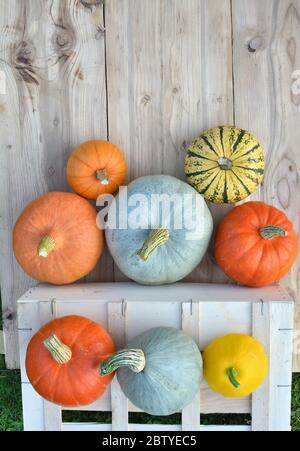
(132,358)
(232,375)
(59,351)
(157,238)
(270,232)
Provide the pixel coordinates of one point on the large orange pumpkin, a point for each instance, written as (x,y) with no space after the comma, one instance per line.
(255,244)
(95,168)
(63,360)
(56,238)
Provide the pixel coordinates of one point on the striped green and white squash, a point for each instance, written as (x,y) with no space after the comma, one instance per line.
(226,164)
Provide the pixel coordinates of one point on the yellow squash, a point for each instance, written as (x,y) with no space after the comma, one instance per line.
(235,365)
(225,164)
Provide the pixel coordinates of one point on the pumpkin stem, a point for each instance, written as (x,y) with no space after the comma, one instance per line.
(270,232)
(156,238)
(225,163)
(59,351)
(46,246)
(232,374)
(102,176)
(134,359)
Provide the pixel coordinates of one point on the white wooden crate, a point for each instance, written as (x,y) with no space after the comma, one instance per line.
(203,311)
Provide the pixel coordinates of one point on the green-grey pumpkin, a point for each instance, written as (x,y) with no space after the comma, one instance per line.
(157,251)
(160,371)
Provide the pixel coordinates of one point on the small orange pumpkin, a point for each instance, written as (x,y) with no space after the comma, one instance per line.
(56,238)
(63,361)
(256,244)
(95,168)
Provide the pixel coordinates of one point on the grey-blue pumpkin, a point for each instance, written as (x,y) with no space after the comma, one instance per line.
(165,231)
(160,371)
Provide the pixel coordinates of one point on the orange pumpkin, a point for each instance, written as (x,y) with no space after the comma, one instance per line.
(255,244)
(95,168)
(63,360)
(56,238)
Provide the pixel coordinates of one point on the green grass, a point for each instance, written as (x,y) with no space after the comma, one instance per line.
(11,408)
(296,403)
(10,399)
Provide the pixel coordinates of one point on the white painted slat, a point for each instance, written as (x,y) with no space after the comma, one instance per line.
(117,328)
(151,427)
(47,312)
(52,417)
(33,409)
(28,325)
(178,292)
(96,311)
(33,404)
(190,417)
(141,314)
(271,403)
(225,428)
(87,427)
(2,350)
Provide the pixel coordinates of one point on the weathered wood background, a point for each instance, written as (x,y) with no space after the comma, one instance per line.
(149,75)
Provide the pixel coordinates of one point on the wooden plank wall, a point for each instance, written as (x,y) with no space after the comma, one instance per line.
(266,54)
(150,75)
(53,57)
